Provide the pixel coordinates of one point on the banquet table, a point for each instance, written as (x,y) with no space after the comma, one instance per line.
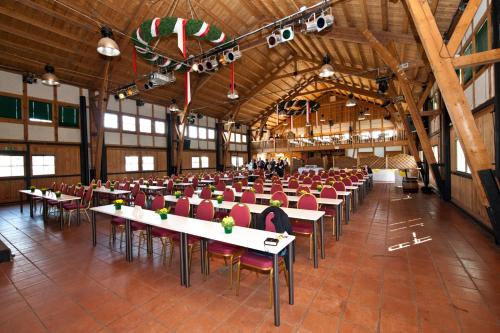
(243,237)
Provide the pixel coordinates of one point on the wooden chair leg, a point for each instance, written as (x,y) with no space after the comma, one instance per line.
(171,252)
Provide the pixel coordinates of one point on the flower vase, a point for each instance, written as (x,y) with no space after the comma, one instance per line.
(163,216)
(228,230)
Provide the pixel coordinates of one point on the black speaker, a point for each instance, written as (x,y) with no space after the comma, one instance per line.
(187,143)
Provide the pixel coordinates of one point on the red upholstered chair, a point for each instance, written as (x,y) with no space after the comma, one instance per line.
(248,197)
(242,217)
(303,188)
(259,188)
(305,229)
(293,183)
(281,196)
(261,264)
(162,234)
(315,184)
(182,207)
(307,180)
(135,190)
(354,179)
(170,186)
(206,193)
(365,172)
(244,182)
(331,193)
(221,186)
(195,182)
(206,177)
(119,222)
(228,195)
(316,178)
(189,191)
(258,180)
(347,182)
(238,187)
(216,179)
(85,202)
(339,186)
(185,180)
(360,176)
(302,176)
(324,175)
(276,188)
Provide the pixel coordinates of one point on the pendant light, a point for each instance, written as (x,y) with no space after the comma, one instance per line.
(106,45)
(49,78)
(232,93)
(326,70)
(173,107)
(350,101)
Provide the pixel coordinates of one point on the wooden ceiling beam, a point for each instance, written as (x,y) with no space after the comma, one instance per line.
(462,26)
(477,59)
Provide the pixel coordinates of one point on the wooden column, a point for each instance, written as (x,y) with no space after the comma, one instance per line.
(102,104)
(495,23)
(404,85)
(458,108)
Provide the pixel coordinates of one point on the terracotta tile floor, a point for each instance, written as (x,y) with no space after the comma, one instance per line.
(59,283)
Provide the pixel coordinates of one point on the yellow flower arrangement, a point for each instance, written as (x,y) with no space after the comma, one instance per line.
(118,203)
(275,203)
(228,224)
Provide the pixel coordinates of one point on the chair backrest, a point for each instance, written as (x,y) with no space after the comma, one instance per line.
(70,190)
(269,223)
(136,189)
(316,178)
(189,191)
(228,195)
(324,175)
(140,199)
(195,182)
(244,182)
(315,184)
(206,193)
(238,186)
(205,210)
(276,188)
(241,215)
(248,197)
(108,184)
(158,202)
(339,186)
(216,179)
(80,191)
(170,185)
(206,177)
(303,188)
(328,192)
(347,182)
(354,179)
(221,186)
(182,207)
(281,196)
(307,201)
(302,176)
(308,180)
(293,183)
(360,175)
(99,183)
(259,188)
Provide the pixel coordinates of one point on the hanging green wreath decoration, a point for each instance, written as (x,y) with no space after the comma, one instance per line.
(162,27)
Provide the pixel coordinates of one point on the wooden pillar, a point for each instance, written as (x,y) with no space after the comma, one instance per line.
(445,153)
(180,138)
(170,143)
(102,104)
(219,146)
(458,109)
(495,24)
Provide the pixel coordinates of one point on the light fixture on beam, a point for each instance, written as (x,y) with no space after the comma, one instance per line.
(322,118)
(383,84)
(232,55)
(326,70)
(106,45)
(232,93)
(173,107)
(320,22)
(49,78)
(286,34)
(273,40)
(366,112)
(210,64)
(350,101)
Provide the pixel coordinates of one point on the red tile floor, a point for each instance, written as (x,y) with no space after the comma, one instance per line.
(449,282)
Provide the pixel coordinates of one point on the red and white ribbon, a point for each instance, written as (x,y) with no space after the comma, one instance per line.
(155,23)
(205,27)
(308,113)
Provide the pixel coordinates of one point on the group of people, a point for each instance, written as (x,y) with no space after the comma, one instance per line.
(273,166)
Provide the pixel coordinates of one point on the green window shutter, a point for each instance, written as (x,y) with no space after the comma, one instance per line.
(40,111)
(10,107)
(482,38)
(467,76)
(68,116)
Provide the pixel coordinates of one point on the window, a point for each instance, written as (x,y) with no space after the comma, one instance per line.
(131,163)
(195,162)
(462,165)
(482,40)
(435,150)
(43,165)
(110,120)
(204,161)
(389,133)
(11,166)
(128,123)
(193,132)
(144,125)
(232,138)
(159,127)
(202,133)
(211,134)
(467,72)
(243,138)
(238,137)
(10,107)
(68,116)
(237,161)
(148,163)
(40,111)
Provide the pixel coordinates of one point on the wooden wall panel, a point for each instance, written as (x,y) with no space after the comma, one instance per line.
(186,160)
(116,161)
(9,189)
(67,157)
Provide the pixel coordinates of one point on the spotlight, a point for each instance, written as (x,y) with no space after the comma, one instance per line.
(139,102)
(273,40)
(383,84)
(106,45)
(199,116)
(232,55)
(49,78)
(191,120)
(211,64)
(323,21)
(201,67)
(159,79)
(195,67)
(173,107)
(327,69)
(126,91)
(29,78)
(286,34)
(350,101)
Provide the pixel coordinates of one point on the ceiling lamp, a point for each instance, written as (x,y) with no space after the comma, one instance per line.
(173,107)
(232,93)
(326,70)
(350,101)
(322,118)
(106,45)
(49,78)
(367,112)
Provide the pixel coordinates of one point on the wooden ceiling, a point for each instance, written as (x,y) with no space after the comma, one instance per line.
(64,33)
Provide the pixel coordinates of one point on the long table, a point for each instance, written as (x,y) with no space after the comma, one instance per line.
(244,237)
(302,214)
(49,195)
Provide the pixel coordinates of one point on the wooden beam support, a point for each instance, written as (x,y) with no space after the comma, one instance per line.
(477,59)
(102,104)
(351,35)
(440,58)
(462,26)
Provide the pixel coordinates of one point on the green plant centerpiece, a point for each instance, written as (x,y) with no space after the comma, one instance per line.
(79,185)
(58,194)
(94,186)
(228,224)
(319,187)
(252,189)
(177,194)
(275,203)
(118,204)
(147,184)
(177,180)
(44,190)
(212,188)
(302,192)
(163,212)
(32,188)
(220,198)
(332,183)
(112,188)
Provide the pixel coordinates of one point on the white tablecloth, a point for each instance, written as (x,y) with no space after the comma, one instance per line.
(317,170)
